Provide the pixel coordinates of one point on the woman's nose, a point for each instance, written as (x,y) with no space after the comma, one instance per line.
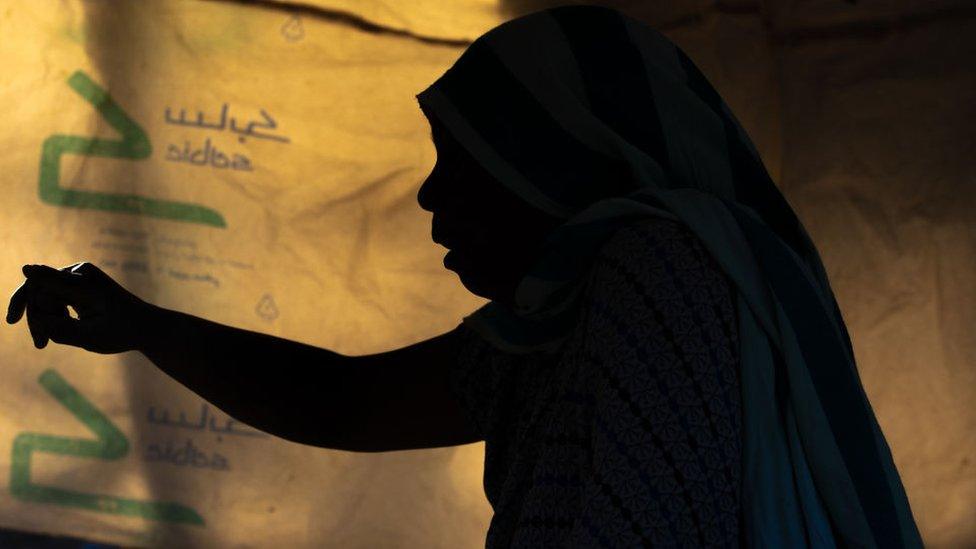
(429,195)
(422,197)
(437,191)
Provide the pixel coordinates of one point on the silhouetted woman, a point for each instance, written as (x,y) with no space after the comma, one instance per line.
(661,362)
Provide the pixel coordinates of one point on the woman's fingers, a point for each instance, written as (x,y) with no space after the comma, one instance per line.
(58,284)
(44,310)
(36,326)
(44,296)
(62,277)
(18,302)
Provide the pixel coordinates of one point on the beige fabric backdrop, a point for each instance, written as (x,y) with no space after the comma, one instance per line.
(860,112)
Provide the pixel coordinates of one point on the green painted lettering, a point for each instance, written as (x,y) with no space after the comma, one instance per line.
(110,444)
(134,145)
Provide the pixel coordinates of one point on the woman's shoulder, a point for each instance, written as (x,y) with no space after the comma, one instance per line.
(654,284)
(660,258)
(648,236)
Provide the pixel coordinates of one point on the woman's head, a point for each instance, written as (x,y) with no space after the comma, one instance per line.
(492,234)
(557,111)
(508,171)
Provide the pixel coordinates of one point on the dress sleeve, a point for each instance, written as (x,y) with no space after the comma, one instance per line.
(466,379)
(483,380)
(660,354)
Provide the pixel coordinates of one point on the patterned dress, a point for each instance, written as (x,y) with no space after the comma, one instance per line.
(630,437)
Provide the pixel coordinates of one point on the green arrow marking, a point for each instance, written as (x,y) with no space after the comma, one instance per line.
(133,145)
(111,444)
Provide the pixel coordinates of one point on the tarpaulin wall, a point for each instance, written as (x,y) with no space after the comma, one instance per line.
(264,175)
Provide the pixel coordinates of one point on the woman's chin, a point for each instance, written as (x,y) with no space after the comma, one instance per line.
(452,263)
(456,264)
(449,258)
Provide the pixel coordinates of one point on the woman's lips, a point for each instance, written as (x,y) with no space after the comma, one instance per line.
(457,235)
(437,233)
(442,242)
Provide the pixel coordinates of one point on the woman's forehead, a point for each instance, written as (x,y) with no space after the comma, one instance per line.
(440,135)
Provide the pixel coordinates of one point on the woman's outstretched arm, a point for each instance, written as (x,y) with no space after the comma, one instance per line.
(397,400)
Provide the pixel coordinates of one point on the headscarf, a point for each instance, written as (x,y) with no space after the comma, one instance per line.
(594,117)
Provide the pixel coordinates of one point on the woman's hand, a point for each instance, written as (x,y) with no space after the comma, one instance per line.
(109,317)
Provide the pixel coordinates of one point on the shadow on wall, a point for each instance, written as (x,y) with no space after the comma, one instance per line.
(13,539)
(661,15)
(511,9)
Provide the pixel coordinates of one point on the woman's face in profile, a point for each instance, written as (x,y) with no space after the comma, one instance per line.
(492,235)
